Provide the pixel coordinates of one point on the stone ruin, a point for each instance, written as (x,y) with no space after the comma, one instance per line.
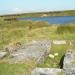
(37,50)
(69,63)
(40,50)
(68,67)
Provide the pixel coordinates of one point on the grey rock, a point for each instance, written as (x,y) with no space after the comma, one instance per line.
(46,71)
(2,54)
(37,50)
(69,66)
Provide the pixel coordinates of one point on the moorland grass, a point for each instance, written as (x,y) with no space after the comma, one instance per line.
(25,31)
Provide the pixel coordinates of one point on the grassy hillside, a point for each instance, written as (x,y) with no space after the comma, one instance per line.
(17,30)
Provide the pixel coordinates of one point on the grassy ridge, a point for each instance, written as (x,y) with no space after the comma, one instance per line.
(39,14)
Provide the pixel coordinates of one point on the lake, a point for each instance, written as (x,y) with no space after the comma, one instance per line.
(53,19)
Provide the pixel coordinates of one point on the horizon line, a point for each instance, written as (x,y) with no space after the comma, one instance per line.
(15,13)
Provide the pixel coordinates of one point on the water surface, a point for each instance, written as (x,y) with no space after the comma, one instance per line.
(53,20)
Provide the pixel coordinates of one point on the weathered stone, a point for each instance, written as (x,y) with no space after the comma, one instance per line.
(46,71)
(59,42)
(38,50)
(2,54)
(69,66)
(13,47)
(69,58)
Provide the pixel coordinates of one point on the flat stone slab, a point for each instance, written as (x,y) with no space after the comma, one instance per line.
(46,71)
(59,42)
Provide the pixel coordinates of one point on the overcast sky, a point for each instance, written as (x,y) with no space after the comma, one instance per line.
(18,6)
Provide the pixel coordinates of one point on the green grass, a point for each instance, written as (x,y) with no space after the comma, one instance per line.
(16,31)
(61,73)
(14,69)
(22,68)
(25,31)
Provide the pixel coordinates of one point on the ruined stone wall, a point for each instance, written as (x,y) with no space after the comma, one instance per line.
(42,58)
(69,65)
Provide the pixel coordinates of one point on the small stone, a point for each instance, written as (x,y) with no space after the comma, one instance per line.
(51,56)
(56,54)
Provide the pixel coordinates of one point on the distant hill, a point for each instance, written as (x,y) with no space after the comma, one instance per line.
(40,14)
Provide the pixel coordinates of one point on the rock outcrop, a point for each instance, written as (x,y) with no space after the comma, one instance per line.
(37,50)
